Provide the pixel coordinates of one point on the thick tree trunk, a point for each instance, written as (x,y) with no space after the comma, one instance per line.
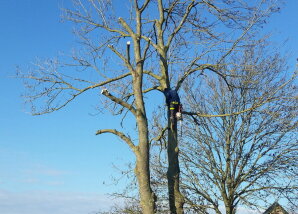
(147,197)
(230,210)
(176,199)
(142,170)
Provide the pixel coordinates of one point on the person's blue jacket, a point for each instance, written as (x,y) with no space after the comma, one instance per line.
(171,96)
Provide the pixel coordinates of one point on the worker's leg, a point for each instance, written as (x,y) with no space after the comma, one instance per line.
(172,111)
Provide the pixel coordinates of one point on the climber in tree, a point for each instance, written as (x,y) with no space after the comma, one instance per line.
(173,101)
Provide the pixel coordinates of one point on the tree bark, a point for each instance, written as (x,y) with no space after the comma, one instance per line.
(176,199)
(147,197)
(230,209)
(142,170)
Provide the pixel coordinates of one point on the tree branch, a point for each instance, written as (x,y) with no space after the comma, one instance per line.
(223,115)
(106,93)
(162,132)
(178,28)
(119,134)
(144,5)
(79,18)
(126,27)
(124,59)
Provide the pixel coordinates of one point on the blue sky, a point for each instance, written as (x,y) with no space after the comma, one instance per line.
(55,162)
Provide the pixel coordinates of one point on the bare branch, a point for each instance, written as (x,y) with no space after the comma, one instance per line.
(124,59)
(159,137)
(183,20)
(121,102)
(144,5)
(119,134)
(80,18)
(126,27)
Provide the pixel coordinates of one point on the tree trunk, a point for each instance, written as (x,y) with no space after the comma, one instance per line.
(230,210)
(147,197)
(142,170)
(176,199)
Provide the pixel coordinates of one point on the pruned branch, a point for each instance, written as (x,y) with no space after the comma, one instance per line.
(119,101)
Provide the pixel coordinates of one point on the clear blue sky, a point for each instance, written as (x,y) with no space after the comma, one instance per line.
(54,163)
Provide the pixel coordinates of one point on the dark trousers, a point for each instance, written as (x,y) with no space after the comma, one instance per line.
(174,106)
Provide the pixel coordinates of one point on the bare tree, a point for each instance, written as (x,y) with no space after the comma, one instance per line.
(171,41)
(248,159)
